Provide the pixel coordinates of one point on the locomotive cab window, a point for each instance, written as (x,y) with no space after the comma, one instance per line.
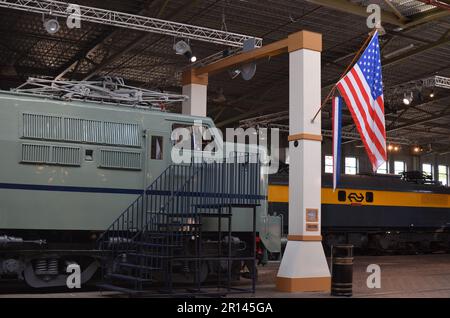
(157,148)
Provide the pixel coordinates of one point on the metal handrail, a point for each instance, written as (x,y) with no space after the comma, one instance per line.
(135,203)
(219,184)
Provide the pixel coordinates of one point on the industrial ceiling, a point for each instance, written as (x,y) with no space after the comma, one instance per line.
(416,46)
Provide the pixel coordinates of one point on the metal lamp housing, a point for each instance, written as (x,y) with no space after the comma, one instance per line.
(51,26)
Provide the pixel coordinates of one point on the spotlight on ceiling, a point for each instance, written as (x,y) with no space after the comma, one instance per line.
(234,73)
(183,48)
(432,94)
(390,147)
(407,99)
(416,149)
(51,26)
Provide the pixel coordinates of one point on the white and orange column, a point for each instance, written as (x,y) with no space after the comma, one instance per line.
(304,267)
(196,88)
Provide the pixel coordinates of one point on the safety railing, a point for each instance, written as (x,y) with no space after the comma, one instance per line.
(182,190)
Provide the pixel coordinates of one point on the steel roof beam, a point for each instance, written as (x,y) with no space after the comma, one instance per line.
(385,62)
(348,7)
(139,41)
(440,4)
(420,121)
(386,17)
(420,49)
(394,9)
(71,65)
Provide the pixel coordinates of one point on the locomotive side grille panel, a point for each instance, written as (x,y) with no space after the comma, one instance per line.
(69,156)
(78,130)
(73,129)
(83,130)
(35,153)
(38,126)
(122,134)
(115,159)
(92,131)
(52,155)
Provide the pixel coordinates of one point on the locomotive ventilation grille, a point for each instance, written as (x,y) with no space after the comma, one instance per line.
(46,154)
(77,130)
(114,159)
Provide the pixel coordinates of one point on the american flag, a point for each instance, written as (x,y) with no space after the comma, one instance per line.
(362,90)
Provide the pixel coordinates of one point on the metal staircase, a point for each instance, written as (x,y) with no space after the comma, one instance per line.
(156,243)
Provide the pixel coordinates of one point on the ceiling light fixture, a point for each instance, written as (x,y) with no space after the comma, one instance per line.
(234,73)
(407,99)
(183,48)
(51,26)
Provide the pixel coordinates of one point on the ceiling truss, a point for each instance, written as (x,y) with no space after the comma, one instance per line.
(130,21)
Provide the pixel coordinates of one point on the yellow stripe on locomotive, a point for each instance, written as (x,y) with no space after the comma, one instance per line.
(280,194)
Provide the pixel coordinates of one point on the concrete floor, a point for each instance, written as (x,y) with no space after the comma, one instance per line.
(401,276)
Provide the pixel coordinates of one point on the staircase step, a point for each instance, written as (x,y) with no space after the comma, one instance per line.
(117,288)
(149,268)
(129,278)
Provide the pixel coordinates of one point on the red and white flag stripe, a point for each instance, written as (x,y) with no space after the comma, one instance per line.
(367,113)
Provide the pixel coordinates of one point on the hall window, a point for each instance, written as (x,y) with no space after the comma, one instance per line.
(328,164)
(399,167)
(443,175)
(351,165)
(383,169)
(428,169)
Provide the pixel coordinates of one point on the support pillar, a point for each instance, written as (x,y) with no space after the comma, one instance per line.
(195,87)
(304,266)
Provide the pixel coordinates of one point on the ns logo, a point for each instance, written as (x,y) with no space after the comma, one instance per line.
(355,197)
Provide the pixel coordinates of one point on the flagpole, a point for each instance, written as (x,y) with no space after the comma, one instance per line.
(331,93)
